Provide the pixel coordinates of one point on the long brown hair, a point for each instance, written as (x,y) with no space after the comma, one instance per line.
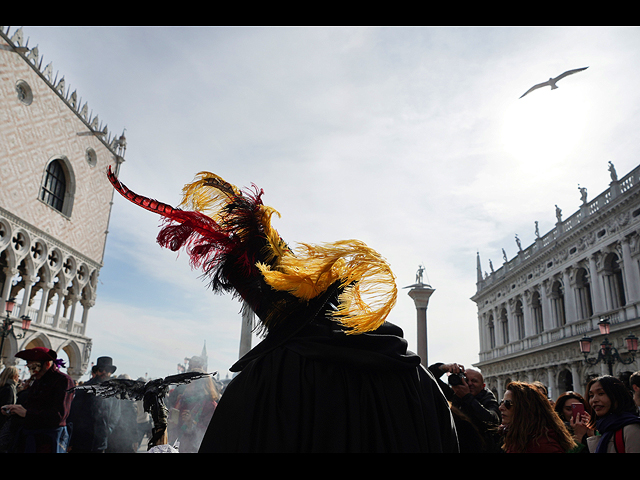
(562,399)
(533,417)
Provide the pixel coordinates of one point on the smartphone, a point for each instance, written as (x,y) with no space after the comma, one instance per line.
(576,409)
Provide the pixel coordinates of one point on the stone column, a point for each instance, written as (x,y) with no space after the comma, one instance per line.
(529,327)
(597,291)
(9,273)
(631,277)
(578,384)
(59,305)
(552,384)
(44,303)
(547,317)
(483,331)
(570,314)
(245,331)
(421,294)
(28,285)
(73,298)
(86,305)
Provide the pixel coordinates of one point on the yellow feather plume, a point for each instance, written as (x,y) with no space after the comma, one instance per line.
(370,290)
(208,194)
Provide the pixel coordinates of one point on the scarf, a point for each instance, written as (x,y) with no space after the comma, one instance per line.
(610,424)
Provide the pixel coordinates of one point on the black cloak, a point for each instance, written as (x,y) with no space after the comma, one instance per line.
(321,390)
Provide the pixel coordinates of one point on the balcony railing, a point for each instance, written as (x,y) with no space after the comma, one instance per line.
(600,202)
(574,331)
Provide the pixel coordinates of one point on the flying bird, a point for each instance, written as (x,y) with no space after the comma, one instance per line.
(151,393)
(552,81)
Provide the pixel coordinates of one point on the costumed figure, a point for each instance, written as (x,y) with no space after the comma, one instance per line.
(331,375)
(39,416)
(191,408)
(93,419)
(152,394)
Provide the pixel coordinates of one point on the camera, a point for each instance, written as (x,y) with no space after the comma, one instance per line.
(456,379)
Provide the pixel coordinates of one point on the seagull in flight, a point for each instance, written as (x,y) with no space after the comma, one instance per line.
(552,81)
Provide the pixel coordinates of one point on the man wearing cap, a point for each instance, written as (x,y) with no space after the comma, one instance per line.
(92,417)
(39,419)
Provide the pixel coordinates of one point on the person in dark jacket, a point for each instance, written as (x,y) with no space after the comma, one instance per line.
(471,396)
(39,418)
(93,418)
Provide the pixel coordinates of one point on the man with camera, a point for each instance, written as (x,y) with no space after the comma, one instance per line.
(467,392)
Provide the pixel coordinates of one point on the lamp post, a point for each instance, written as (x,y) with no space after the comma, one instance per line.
(7,324)
(607,352)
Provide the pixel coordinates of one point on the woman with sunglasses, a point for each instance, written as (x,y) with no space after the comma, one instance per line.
(529,423)
(615,419)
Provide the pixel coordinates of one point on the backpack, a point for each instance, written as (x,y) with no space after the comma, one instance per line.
(619,441)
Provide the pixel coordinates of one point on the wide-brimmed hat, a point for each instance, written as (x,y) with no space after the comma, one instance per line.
(37,354)
(106,364)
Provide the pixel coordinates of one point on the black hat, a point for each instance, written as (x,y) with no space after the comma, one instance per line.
(106,363)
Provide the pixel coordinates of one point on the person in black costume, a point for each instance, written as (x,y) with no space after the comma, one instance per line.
(331,375)
(93,418)
(322,390)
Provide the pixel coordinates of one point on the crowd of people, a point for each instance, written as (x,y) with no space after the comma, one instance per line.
(604,420)
(47,414)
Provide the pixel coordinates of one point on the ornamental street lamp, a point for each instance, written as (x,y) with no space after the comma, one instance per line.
(7,324)
(608,353)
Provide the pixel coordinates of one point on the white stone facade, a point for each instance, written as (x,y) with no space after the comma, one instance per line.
(55,204)
(534,309)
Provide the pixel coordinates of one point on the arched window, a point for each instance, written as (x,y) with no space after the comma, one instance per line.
(519,314)
(492,333)
(614,282)
(557,303)
(504,323)
(536,310)
(58,186)
(583,294)
(55,186)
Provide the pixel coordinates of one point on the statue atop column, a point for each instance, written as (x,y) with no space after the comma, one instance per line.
(612,172)
(583,194)
(558,214)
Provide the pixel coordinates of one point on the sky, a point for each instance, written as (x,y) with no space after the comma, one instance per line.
(412,139)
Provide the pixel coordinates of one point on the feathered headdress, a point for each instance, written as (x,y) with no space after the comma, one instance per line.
(228,234)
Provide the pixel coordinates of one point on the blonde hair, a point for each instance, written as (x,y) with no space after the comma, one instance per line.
(9,373)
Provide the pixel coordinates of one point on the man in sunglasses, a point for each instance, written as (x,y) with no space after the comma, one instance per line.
(468,393)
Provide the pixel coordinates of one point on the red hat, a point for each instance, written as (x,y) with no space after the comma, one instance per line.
(41,354)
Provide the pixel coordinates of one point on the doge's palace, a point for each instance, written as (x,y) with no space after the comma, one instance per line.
(534,309)
(55,204)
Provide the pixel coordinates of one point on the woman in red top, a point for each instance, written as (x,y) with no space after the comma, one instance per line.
(529,423)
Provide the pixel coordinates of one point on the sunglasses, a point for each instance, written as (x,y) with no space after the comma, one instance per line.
(507,404)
